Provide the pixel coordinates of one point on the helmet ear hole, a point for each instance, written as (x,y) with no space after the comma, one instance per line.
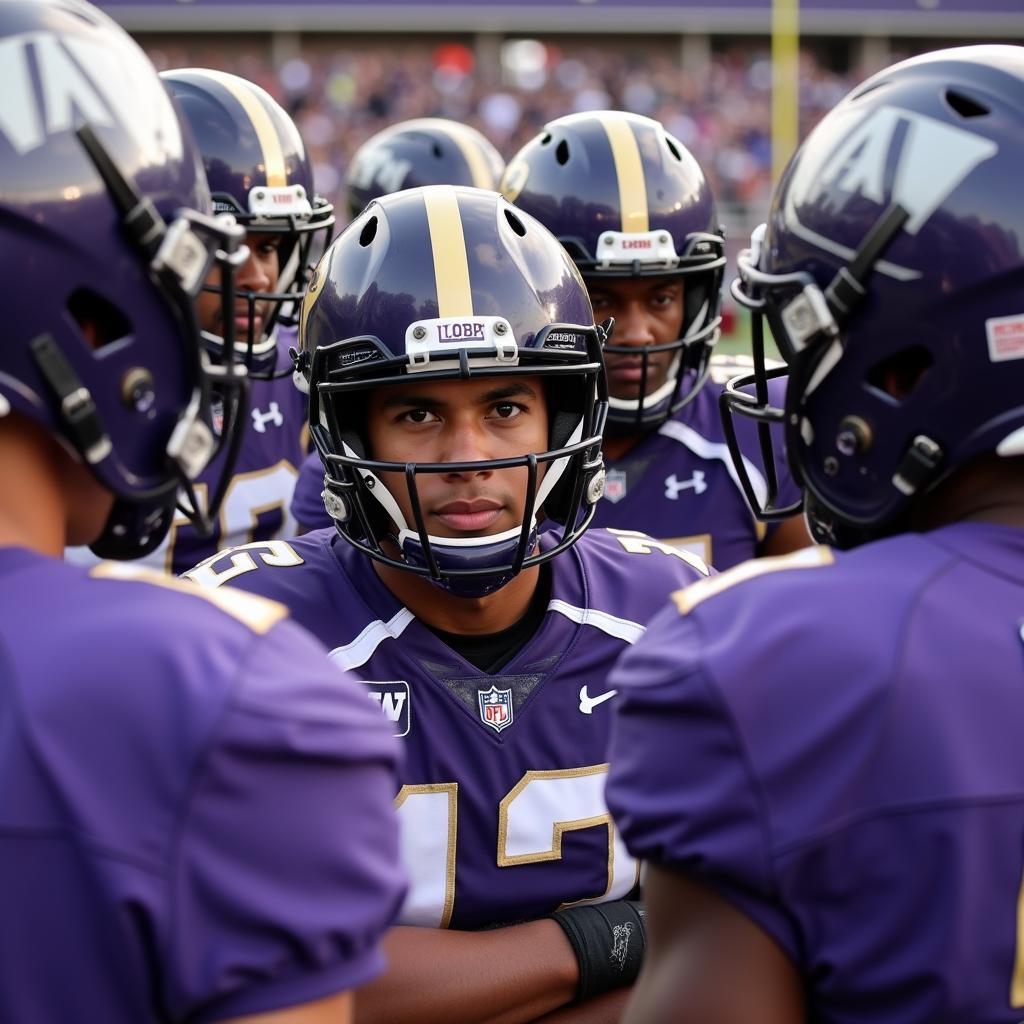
(964,105)
(515,223)
(101,321)
(369,232)
(562,152)
(673,148)
(899,375)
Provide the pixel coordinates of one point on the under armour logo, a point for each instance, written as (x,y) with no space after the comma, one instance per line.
(673,487)
(261,419)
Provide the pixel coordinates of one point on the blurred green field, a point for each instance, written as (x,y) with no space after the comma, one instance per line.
(735,338)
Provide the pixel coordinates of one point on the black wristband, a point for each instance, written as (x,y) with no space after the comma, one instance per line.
(608,940)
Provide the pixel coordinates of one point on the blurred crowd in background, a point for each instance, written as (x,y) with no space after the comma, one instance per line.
(341,96)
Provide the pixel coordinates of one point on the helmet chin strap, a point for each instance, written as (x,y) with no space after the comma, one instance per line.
(655,398)
(259,348)
(286,276)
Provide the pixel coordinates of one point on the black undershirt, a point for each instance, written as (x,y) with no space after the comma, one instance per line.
(493,650)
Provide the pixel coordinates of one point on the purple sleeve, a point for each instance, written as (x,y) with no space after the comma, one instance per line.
(285,871)
(679,786)
(307,506)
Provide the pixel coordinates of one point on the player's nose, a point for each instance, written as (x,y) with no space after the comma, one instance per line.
(466,443)
(252,277)
(633,326)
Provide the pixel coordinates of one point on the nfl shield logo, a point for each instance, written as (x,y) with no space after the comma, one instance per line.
(615,485)
(217,412)
(495,708)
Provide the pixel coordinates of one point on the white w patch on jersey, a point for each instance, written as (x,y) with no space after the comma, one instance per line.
(925,159)
(80,81)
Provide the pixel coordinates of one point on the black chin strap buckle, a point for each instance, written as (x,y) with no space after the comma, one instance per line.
(918,467)
(78,411)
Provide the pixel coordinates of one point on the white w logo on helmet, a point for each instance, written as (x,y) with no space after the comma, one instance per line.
(891,156)
(78,79)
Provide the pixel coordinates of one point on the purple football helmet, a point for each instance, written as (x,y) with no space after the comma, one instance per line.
(425,151)
(259,172)
(893,253)
(105,239)
(393,297)
(627,199)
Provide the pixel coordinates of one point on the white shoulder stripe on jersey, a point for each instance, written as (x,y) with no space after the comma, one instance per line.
(706,449)
(621,629)
(360,651)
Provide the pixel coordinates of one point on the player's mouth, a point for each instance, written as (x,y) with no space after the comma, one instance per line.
(626,370)
(469,515)
(242,325)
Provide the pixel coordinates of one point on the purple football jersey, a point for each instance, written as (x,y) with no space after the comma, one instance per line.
(196,822)
(679,483)
(258,499)
(307,499)
(502,798)
(833,741)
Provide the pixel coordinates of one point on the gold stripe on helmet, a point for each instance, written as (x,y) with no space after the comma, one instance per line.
(479,169)
(263,125)
(629,170)
(448,245)
(310,299)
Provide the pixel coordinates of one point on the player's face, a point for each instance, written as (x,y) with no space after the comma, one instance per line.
(461,421)
(647,311)
(259,274)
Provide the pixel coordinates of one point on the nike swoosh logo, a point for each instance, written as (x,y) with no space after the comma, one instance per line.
(588,703)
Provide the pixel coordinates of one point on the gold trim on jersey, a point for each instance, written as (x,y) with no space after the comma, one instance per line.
(260,614)
(255,511)
(1017,979)
(263,125)
(629,170)
(702,540)
(448,246)
(452,789)
(806,558)
(242,559)
(558,828)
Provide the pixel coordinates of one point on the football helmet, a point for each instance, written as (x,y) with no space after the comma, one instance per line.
(425,151)
(106,235)
(259,172)
(891,274)
(447,283)
(627,199)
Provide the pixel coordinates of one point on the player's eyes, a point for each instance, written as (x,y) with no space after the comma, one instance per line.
(417,416)
(507,410)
